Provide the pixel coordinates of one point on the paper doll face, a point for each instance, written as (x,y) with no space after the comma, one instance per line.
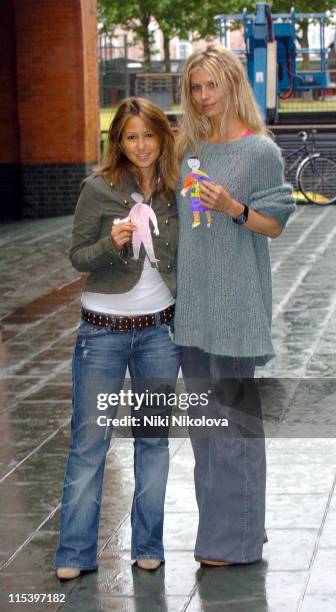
(205,93)
(194,163)
(137,197)
(140,144)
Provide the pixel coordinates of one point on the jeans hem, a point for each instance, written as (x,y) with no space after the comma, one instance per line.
(85,568)
(154,556)
(198,558)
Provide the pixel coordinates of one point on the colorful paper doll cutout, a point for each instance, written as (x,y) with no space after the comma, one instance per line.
(192,184)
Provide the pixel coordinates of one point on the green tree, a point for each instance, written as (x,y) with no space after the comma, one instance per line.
(132,15)
(183,18)
(174,18)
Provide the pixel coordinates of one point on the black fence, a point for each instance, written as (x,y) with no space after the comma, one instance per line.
(120,76)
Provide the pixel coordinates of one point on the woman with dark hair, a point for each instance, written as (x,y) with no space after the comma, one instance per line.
(124,236)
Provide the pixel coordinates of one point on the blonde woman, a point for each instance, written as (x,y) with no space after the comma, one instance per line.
(223,309)
(124,236)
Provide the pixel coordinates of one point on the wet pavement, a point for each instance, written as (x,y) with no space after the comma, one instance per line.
(39,309)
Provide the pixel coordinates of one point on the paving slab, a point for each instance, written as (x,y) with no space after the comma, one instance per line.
(39,314)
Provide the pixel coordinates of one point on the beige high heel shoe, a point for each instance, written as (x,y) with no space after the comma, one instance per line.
(67,573)
(149,564)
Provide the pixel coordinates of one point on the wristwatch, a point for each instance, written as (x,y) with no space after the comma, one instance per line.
(241,219)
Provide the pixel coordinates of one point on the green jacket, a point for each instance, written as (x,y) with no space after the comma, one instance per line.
(92,249)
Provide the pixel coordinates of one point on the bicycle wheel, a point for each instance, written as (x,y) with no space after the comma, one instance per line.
(317,180)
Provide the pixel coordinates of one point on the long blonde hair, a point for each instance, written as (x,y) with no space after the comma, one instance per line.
(115,164)
(228,71)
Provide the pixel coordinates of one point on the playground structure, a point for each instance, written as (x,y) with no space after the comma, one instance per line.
(272,56)
(292,96)
(292,84)
(159,88)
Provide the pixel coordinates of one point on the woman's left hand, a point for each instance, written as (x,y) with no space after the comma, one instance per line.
(215,197)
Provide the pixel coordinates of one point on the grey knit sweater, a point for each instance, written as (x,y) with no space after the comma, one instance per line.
(224,290)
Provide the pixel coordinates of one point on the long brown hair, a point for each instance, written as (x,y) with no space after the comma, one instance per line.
(115,164)
(227,70)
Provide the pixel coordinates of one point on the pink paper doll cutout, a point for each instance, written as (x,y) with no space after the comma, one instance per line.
(192,184)
(141,214)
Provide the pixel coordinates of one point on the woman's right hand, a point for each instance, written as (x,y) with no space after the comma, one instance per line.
(122,233)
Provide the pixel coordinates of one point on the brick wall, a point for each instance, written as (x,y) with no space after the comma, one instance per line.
(91,80)
(51,102)
(9,133)
(51,189)
(9,126)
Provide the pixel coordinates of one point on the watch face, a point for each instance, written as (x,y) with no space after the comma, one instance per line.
(241,219)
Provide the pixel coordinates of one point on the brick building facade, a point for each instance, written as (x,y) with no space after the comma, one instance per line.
(49,106)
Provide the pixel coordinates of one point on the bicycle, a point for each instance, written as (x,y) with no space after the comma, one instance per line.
(316,174)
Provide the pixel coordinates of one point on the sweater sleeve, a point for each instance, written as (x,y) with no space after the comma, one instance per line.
(88,252)
(275,198)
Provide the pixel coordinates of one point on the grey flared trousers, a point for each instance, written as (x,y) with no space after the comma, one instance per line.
(230,461)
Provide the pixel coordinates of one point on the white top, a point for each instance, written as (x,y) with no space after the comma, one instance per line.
(150,294)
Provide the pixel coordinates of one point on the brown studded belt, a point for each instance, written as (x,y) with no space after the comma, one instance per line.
(118,323)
